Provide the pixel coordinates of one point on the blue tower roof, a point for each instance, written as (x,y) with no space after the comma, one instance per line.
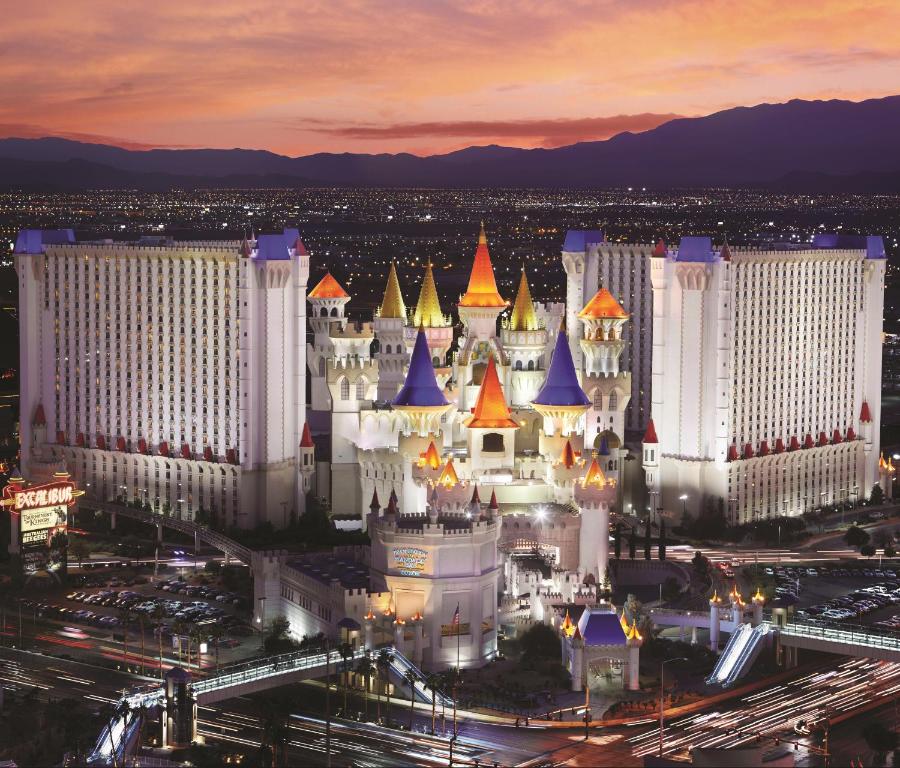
(873,245)
(561,386)
(276,247)
(420,388)
(696,249)
(604,447)
(577,240)
(34,240)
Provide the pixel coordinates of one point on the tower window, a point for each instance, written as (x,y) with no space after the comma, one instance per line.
(492,442)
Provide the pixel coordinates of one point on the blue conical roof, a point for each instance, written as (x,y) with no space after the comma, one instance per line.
(561,385)
(420,388)
(604,447)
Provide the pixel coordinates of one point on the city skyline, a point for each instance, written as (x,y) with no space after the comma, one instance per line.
(424,79)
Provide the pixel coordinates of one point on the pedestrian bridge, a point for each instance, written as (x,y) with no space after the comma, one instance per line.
(219,541)
(843,639)
(119,738)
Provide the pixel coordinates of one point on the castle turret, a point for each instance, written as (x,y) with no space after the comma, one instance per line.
(650,462)
(491,428)
(603,319)
(561,400)
(429,317)
(481,304)
(524,341)
(421,401)
(307,461)
(390,320)
(593,496)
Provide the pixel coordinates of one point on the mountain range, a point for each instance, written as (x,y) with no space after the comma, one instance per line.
(798,146)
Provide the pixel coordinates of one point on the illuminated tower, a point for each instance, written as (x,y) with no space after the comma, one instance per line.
(390,320)
(524,341)
(594,495)
(429,317)
(491,429)
(328,300)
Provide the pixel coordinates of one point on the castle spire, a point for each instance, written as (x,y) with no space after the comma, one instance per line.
(428,309)
(561,387)
(392,304)
(491,410)
(523,316)
(482,291)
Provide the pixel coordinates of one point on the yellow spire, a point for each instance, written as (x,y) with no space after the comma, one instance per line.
(392,304)
(523,317)
(428,309)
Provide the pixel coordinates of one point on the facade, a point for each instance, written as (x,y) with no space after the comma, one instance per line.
(169,372)
(767,376)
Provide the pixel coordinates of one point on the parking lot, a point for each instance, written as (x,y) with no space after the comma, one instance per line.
(858,594)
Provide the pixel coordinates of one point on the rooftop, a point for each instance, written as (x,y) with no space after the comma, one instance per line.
(326,567)
(491,410)
(561,387)
(482,291)
(420,389)
(578,240)
(392,304)
(603,305)
(328,288)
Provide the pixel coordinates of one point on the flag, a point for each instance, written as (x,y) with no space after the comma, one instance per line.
(455,621)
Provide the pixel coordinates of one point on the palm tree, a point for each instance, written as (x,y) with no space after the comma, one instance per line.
(125,616)
(346,651)
(142,621)
(158,615)
(411,679)
(434,683)
(385,659)
(364,667)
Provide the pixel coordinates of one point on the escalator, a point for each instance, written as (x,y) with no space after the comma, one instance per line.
(742,650)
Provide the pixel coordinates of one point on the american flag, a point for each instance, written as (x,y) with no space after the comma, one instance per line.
(455,621)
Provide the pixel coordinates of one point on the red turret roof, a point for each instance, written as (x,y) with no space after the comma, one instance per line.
(823,438)
(795,443)
(163,448)
(101,442)
(650,434)
(142,445)
(808,442)
(482,291)
(207,453)
(748,451)
(660,249)
(594,476)
(764,448)
(306,439)
(836,437)
(732,452)
(865,416)
(185,451)
(476,499)
(374,504)
(39,420)
(568,455)
(779,446)
(120,444)
(493,504)
(851,433)
(328,288)
(491,410)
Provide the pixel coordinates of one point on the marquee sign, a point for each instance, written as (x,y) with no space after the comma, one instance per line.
(19,499)
(410,561)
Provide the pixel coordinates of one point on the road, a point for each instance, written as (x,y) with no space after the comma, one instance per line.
(775,710)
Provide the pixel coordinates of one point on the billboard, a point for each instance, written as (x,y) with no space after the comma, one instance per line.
(409,561)
(41,511)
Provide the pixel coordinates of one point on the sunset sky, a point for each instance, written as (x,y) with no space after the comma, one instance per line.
(301,76)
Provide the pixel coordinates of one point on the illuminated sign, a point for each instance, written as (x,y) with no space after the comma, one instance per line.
(410,561)
(50,495)
(43,518)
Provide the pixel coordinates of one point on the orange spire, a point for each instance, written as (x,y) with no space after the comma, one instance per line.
(482,290)
(491,410)
(448,477)
(603,305)
(594,476)
(431,458)
(328,288)
(567,626)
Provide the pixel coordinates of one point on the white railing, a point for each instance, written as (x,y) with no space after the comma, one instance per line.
(868,637)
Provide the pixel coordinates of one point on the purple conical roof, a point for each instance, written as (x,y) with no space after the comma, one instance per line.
(561,385)
(420,388)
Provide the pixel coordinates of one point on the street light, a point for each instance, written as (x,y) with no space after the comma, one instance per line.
(662,693)
(684,498)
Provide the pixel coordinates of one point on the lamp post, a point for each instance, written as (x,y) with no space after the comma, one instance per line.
(662,695)
(684,498)
(261,620)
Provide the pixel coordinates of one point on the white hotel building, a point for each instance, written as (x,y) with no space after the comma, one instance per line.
(766,376)
(169,372)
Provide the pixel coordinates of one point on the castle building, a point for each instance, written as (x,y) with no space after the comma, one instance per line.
(766,376)
(172,373)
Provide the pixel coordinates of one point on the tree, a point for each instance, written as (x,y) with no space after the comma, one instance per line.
(856,536)
(540,641)
(867,550)
(880,739)
(385,659)
(700,563)
(411,679)
(671,589)
(662,539)
(632,543)
(142,625)
(125,616)
(877,495)
(59,543)
(617,541)
(648,541)
(365,668)
(346,652)
(277,640)
(79,549)
(434,683)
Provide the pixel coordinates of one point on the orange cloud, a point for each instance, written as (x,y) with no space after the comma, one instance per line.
(392,75)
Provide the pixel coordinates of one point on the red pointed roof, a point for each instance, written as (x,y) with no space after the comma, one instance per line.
(185,451)
(231,455)
(120,443)
(491,410)
(101,442)
(808,441)
(476,499)
(865,416)
(306,439)
(732,452)
(142,445)
(823,438)
(568,455)
(748,451)
(779,446)
(482,291)
(764,448)
(836,437)
(660,249)
(794,444)
(603,305)
(374,504)
(851,433)
(207,453)
(493,504)
(650,434)
(328,288)
(39,420)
